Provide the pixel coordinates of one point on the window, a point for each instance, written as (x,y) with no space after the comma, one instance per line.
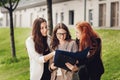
(20,24)
(56,15)
(102,15)
(114,14)
(31,19)
(15,20)
(7,20)
(43,16)
(91,16)
(62,16)
(71,17)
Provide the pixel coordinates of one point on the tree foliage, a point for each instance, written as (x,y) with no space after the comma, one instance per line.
(9,4)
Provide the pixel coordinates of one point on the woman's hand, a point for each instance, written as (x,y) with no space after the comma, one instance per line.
(53,53)
(71,67)
(49,56)
(52,67)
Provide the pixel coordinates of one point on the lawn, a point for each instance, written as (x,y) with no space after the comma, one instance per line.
(18,68)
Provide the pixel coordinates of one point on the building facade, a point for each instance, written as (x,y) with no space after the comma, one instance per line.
(100,13)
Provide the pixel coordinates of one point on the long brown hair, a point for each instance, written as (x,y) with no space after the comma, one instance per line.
(54,40)
(87,34)
(37,36)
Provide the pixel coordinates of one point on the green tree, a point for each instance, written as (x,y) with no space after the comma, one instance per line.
(49,12)
(10,5)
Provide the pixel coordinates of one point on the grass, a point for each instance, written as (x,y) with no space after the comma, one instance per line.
(18,68)
(111,50)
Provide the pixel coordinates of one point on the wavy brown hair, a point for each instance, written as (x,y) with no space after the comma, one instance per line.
(54,40)
(87,35)
(37,36)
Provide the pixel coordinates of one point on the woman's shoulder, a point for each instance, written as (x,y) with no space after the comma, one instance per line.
(29,39)
(49,37)
(72,41)
(96,44)
(73,46)
(97,40)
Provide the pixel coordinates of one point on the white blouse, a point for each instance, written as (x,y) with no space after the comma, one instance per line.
(36,60)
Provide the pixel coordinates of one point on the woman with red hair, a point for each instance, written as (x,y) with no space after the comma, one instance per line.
(93,66)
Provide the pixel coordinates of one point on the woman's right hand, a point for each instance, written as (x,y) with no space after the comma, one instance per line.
(73,68)
(52,66)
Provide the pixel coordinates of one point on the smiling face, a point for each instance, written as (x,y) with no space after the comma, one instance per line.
(43,28)
(61,34)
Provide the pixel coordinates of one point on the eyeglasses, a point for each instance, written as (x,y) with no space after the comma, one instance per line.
(60,34)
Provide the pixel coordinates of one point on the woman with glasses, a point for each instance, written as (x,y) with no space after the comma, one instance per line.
(61,40)
(38,50)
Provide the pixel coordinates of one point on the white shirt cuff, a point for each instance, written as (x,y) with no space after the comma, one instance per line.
(41,59)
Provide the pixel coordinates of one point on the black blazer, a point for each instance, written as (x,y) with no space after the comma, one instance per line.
(94,63)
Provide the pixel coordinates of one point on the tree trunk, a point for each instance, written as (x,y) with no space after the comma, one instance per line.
(12,33)
(49,12)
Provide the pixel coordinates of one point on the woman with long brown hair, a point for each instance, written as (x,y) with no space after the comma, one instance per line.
(93,66)
(38,50)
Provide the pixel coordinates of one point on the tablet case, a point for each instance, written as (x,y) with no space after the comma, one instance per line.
(61,57)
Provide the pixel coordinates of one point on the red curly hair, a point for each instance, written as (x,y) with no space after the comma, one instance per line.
(87,34)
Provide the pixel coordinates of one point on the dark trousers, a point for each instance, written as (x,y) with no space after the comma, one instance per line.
(84,75)
(46,77)
(94,77)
